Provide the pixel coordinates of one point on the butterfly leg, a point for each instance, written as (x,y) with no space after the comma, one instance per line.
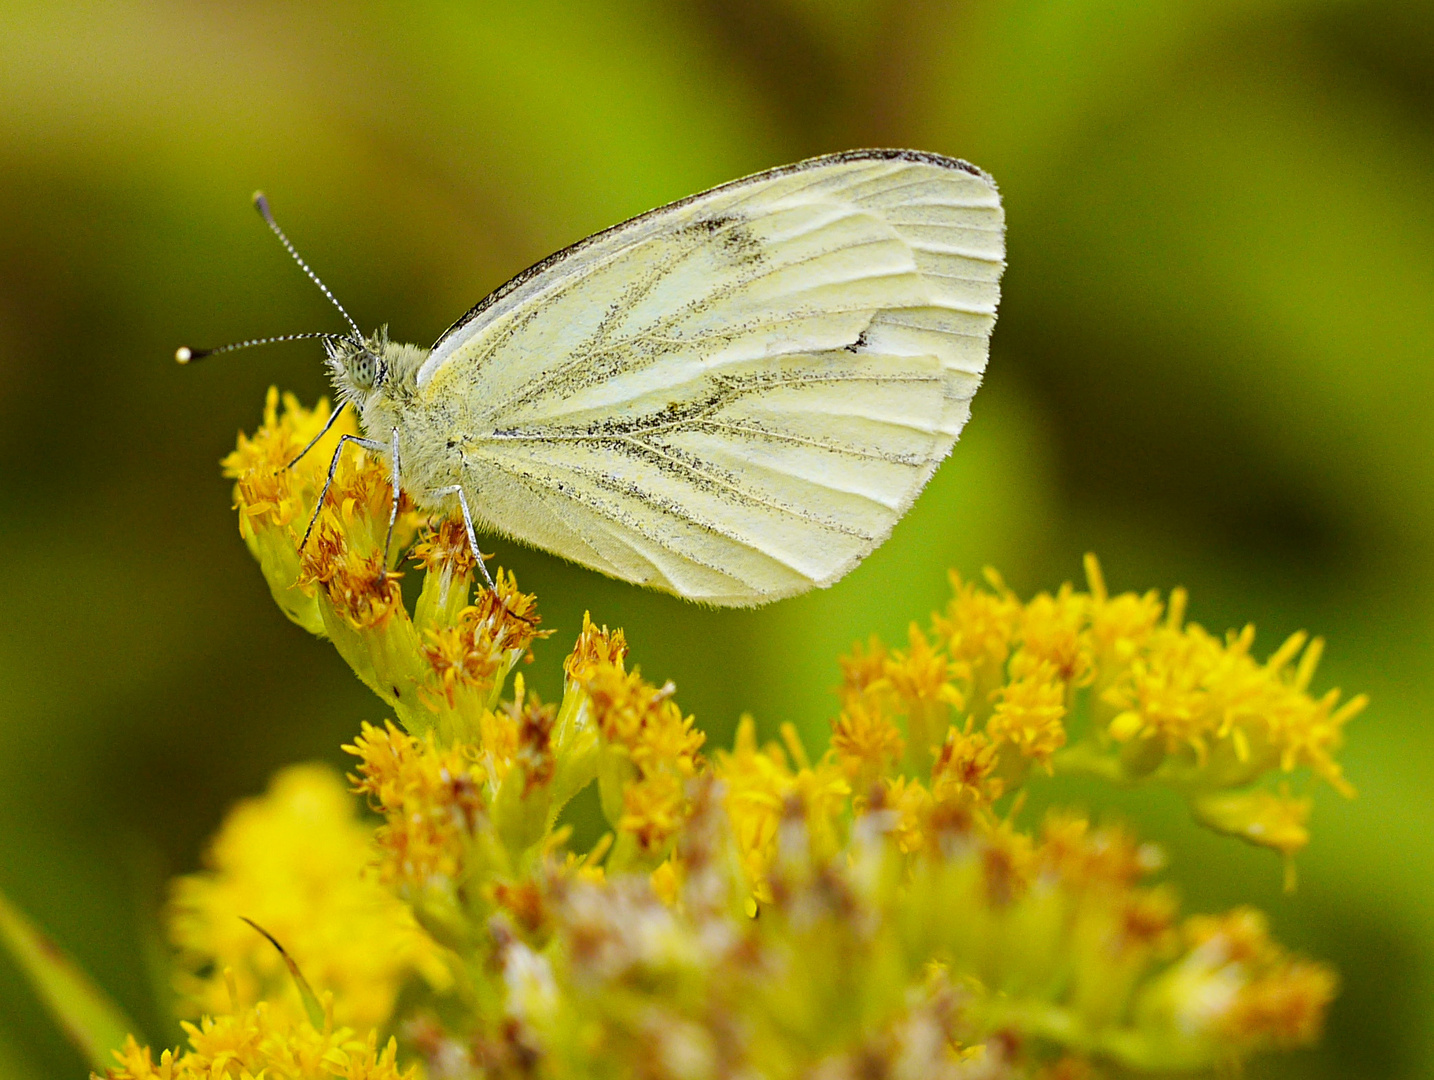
(457,489)
(315,440)
(367,444)
(397,491)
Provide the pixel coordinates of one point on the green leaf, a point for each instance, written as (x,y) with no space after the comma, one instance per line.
(94,1023)
(312,1005)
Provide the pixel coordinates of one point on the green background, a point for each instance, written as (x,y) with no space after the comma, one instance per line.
(1213,367)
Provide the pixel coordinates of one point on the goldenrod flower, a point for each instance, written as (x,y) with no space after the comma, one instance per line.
(761,785)
(1052,633)
(648,750)
(864,668)
(432,802)
(865,740)
(921,679)
(964,768)
(595,647)
(876,909)
(1160,700)
(259,1044)
(920,676)
(1028,713)
(295,861)
(268,492)
(1119,625)
(1236,986)
(362,591)
(978,628)
(910,803)
(446,551)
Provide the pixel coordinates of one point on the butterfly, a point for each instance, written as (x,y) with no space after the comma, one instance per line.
(733,397)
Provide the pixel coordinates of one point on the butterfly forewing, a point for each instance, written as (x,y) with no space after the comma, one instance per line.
(734,397)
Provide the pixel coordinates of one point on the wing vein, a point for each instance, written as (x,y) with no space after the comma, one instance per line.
(735,392)
(669,507)
(710,475)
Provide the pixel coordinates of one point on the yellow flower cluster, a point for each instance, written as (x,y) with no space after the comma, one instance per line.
(268,493)
(1085,682)
(763,785)
(294,862)
(432,667)
(431,800)
(649,751)
(877,910)
(275,492)
(258,1044)
(1268,995)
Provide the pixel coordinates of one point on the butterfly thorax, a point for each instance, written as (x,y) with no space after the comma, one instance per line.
(379,379)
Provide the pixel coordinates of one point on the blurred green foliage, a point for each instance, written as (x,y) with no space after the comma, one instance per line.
(1213,367)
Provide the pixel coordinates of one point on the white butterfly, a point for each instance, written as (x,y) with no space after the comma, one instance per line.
(733,397)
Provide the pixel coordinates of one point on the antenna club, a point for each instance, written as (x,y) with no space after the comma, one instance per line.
(261,203)
(183,354)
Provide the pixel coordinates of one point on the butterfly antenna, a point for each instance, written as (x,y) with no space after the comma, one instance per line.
(261,204)
(184,354)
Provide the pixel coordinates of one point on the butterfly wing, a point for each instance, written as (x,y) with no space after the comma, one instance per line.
(734,397)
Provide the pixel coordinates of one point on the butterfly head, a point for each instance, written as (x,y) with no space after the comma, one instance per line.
(358,365)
